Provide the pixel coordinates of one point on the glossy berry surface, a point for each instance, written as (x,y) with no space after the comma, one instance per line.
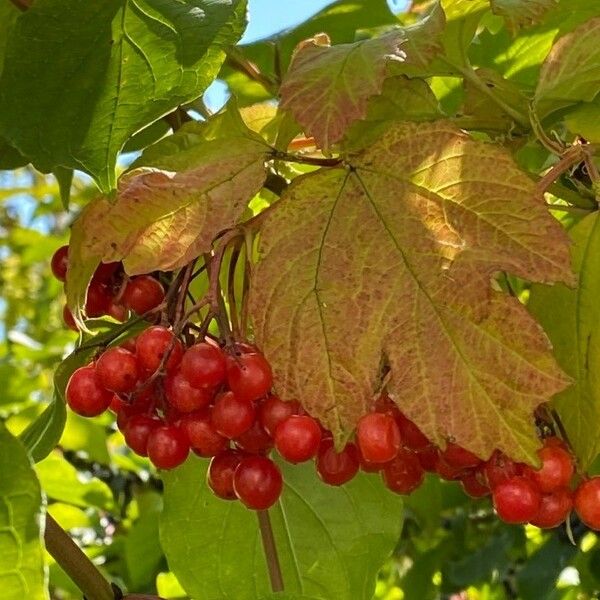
(517,500)
(255,440)
(142,293)
(378,437)
(204,366)
(297,438)
(499,468)
(412,436)
(556,471)
(98,299)
(231,416)
(60,263)
(105,271)
(337,468)
(459,457)
(404,474)
(249,376)
(220,473)
(202,437)
(117,369)
(152,344)
(474,485)
(183,397)
(274,411)
(137,430)
(85,395)
(587,502)
(554,509)
(257,482)
(167,447)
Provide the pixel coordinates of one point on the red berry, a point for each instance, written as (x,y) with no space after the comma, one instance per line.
(168,446)
(249,376)
(85,395)
(203,438)
(297,439)
(257,482)
(404,474)
(255,440)
(137,430)
(517,500)
(231,416)
(412,436)
(128,344)
(117,369)
(204,366)
(378,437)
(474,485)
(556,471)
(499,468)
(220,473)
(367,466)
(587,502)
(117,311)
(69,319)
(554,509)
(449,472)
(554,440)
(60,263)
(117,404)
(151,346)
(337,468)
(274,411)
(105,271)
(459,457)
(428,457)
(98,300)
(183,397)
(142,293)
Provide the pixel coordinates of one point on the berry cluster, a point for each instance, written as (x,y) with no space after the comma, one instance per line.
(109,292)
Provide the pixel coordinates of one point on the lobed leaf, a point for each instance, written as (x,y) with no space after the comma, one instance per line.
(522,13)
(390,259)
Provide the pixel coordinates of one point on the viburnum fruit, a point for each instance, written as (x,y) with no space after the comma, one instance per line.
(255,440)
(151,346)
(554,508)
(219,476)
(337,468)
(473,484)
(499,468)
(204,366)
(556,471)
(412,437)
(249,376)
(85,394)
(69,319)
(98,299)
(587,502)
(257,482)
(60,263)
(137,430)
(459,457)
(378,437)
(183,397)
(404,474)
(517,500)
(142,293)
(297,439)
(117,369)
(167,446)
(274,411)
(231,415)
(203,438)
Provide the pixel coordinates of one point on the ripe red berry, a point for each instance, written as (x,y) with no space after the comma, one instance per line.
(255,440)
(249,376)
(297,439)
(204,366)
(257,482)
(220,473)
(274,411)
(556,471)
(142,293)
(587,502)
(69,319)
(117,311)
(367,466)
(378,437)
(151,346)
(499,468)
(85,395)
(60,263)
(449,472)
(337,468)
(412,437)
(428,457)
(404,474)
(517,500)
(183,397)
(167,447)
(137,430)
(117,369)
(474,485)
(105,271)
(231,416)
(117,404)
(459,457)
(554,509)
(203,438)
(98,301)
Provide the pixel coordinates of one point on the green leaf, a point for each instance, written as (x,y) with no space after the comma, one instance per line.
(143,554)
(571,72)
(116,67)
(405,237)
(327,87)
(521,13)
(21,564)
(10,157)
(571,317)
(65,179)
(164,216)
(331,541)
(43,434)
(8,17)
(584,120)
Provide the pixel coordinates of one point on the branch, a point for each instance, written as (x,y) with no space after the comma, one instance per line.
(570,158)
(237,61)
(75,563)
(307,160)
(270,549)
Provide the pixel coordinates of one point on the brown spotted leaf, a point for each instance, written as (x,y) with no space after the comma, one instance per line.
(164,217)
(327,88)
(389,260)
(522,13)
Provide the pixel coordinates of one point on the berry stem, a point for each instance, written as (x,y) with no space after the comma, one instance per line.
(574,155)
(270,549)
(75,563)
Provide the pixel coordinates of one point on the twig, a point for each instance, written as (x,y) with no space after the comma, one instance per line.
(75,563)
(571,157)
(270,549)
(237,61)
(307,160)
(551,145)
(235,254)
(185,282)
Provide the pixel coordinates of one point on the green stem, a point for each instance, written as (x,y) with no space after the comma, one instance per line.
(270,549)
